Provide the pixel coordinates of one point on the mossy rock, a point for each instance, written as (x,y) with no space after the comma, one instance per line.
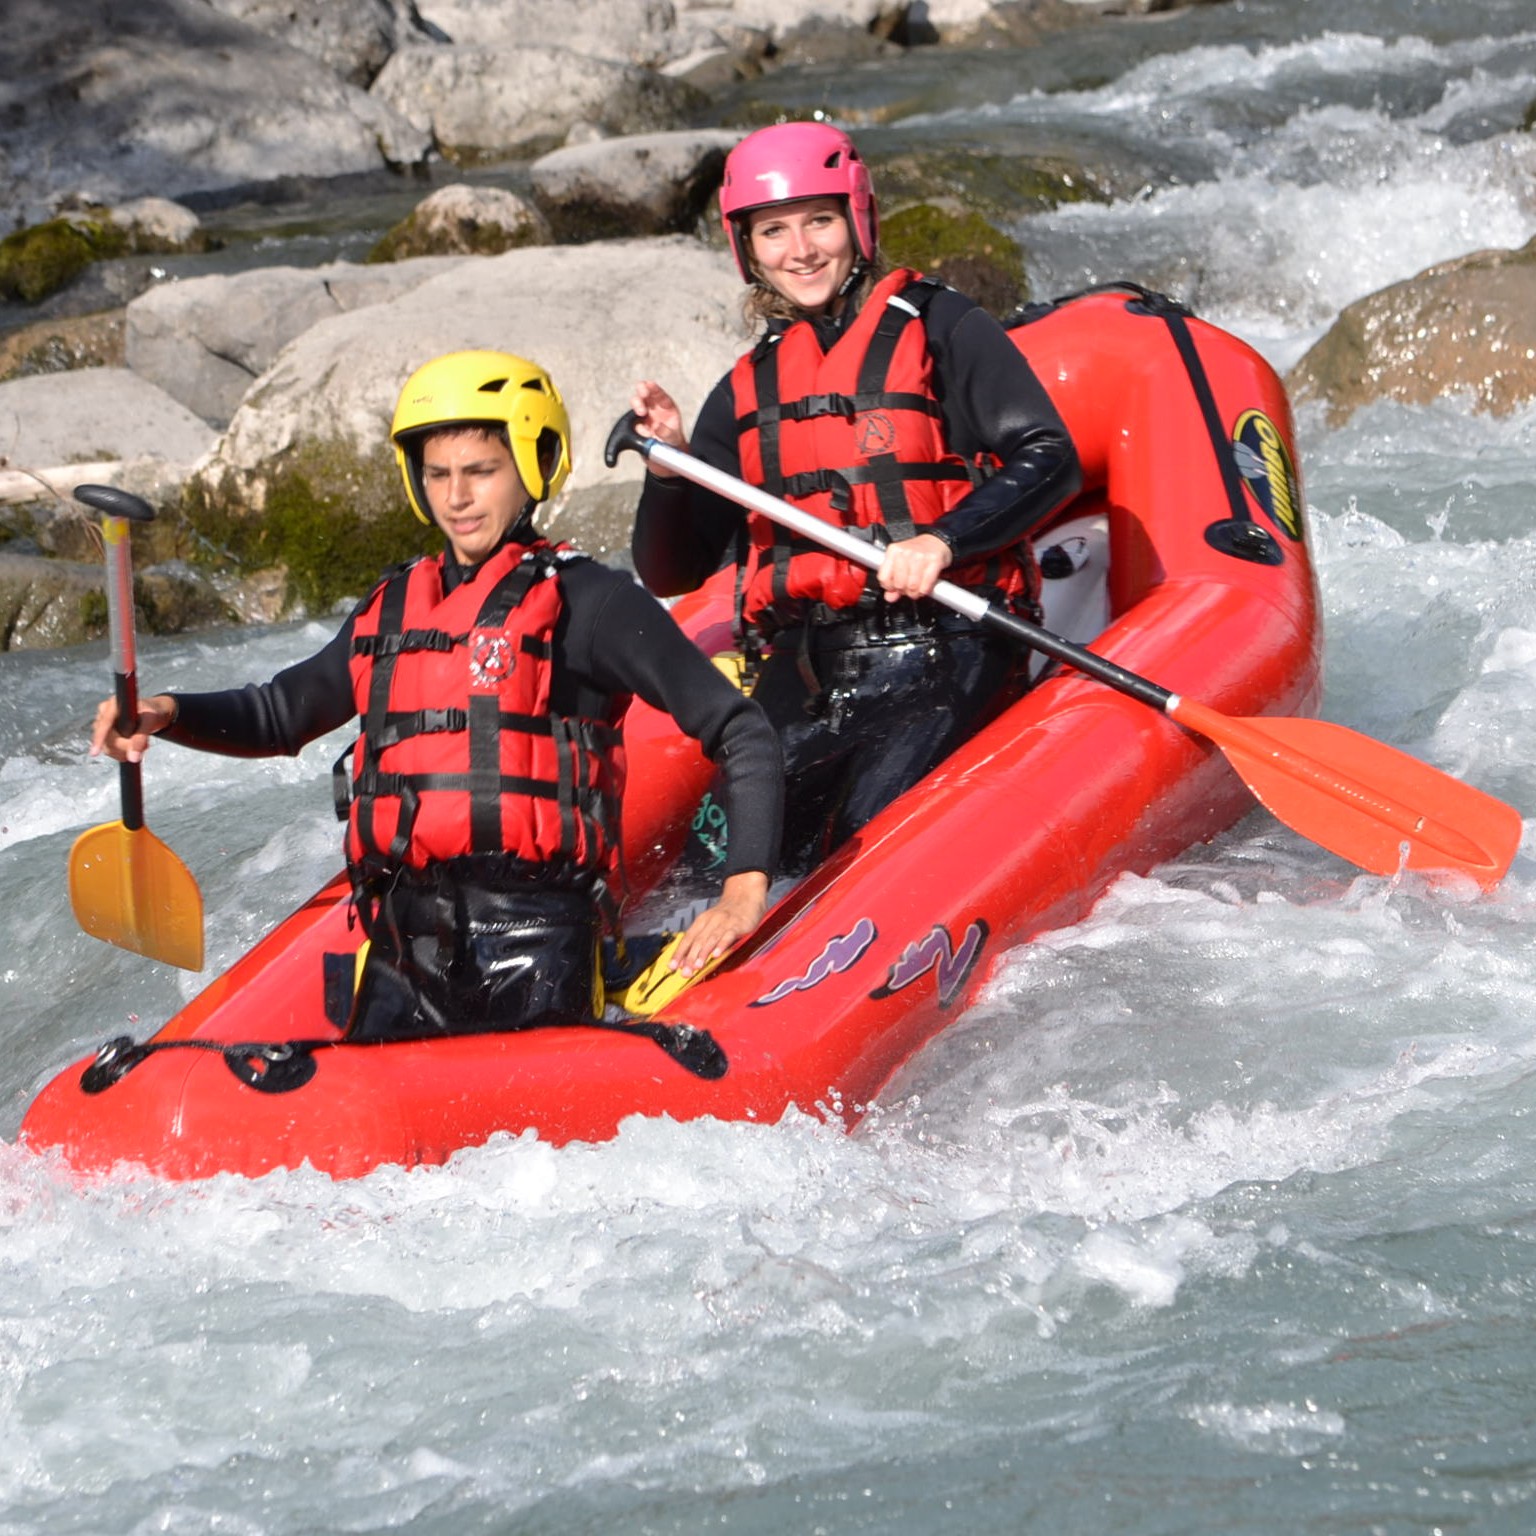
(993,184)
(963,249)
(463,221)
(39,261)
(333,519)
(64,344)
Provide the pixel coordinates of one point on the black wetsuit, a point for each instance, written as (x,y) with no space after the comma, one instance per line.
(867,701)
(486,943)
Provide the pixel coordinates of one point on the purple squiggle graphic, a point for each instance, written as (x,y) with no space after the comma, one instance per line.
(840,954)
(937,950)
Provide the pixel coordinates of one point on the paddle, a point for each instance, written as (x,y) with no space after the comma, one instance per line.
(1365,801)
(125,885)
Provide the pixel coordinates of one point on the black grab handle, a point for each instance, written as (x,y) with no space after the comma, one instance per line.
(624,436)
(115,502)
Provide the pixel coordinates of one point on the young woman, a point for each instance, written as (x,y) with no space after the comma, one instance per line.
(878,400)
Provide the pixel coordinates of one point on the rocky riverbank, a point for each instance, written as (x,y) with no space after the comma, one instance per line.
(566,160)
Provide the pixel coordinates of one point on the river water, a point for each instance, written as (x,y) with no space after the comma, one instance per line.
(1217,1214)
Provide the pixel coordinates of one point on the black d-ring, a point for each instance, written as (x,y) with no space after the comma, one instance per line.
(271,1068)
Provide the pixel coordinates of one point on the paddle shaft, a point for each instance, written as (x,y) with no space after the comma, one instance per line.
(861,552)
(124,662)
(120,510)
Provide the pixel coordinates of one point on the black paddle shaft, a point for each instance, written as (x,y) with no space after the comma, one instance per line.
(850,546)
(121,508)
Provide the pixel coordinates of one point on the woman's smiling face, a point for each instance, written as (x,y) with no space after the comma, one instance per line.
(803,250)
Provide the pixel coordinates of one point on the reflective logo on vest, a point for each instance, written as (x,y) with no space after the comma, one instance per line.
(877,433)
(490,660)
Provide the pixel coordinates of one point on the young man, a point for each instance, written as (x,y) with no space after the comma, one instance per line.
(490,681)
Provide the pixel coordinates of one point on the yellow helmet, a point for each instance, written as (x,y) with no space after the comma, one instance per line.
(493,389)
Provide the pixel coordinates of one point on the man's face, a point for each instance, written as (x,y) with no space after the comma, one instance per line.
(473,490)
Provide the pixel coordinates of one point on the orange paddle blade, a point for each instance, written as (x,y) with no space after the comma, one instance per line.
(1361,799)
(128,888)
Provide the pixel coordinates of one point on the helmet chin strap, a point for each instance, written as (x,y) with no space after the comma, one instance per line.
(855,276)
(522,530)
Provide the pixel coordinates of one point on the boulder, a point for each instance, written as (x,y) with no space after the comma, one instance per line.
(960,247)
(44,603)
(1466,327)
(157,225)
(485,103)
(95,414)
(642,184)
(674,37)
(598,317)
(352,38)
(460,220)
(171,97)
(206,340)
(47,603)
(38,261)
(783,18)
(622,31)
(56,346)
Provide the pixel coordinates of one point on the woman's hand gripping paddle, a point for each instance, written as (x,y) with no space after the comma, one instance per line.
(125,885)
(1365,801)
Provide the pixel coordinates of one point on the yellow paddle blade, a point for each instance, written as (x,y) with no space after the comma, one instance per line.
(653,987)
(128,888)
(734,667)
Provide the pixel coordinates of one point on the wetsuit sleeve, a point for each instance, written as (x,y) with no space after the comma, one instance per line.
(625,643)
(683,533)
(275,718)
(994,404)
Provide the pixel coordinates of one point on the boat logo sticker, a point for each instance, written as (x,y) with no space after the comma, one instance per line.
(938,951)
(842,953)
(1264,462)
(490,659)
(877,433)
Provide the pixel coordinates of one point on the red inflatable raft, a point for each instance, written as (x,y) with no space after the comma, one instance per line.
(1189,540)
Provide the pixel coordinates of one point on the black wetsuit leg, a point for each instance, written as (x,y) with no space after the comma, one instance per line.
(889,709)
(448,957)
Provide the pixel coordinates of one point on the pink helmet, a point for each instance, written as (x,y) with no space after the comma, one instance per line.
(791,161)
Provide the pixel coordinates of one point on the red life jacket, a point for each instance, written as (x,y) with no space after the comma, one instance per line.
(459,751)
(855,435)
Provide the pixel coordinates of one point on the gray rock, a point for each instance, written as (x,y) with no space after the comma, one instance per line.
(44,603)
(623,31)
(460,220)
(352,38)
(652,183)
(206,340)
(598,317)
(485,103)
(95,414)
(169,97)
(158,224)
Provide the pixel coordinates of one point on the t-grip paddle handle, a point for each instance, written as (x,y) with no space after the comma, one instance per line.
(120,508)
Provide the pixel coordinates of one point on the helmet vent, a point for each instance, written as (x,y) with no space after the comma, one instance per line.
(493,386)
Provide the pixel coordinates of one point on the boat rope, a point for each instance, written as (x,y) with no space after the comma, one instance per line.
(1238,535)
(280,1066)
